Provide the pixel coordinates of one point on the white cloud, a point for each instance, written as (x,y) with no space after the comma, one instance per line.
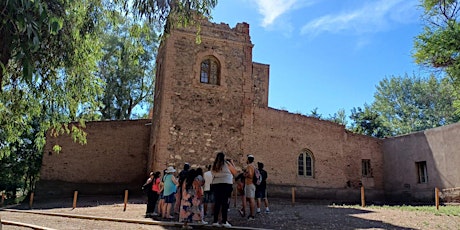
(372,17)
(272,9)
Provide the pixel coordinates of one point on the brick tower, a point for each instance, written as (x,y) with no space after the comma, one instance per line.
(205,95)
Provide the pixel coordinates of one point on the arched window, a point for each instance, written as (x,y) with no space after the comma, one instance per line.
(306,164)
(210,71)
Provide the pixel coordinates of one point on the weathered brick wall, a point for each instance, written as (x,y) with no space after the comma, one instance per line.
(196,119)
(260,75)
(158,119)
(278,137)
(115,153)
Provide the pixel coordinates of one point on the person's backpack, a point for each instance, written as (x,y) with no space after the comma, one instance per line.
(257,179)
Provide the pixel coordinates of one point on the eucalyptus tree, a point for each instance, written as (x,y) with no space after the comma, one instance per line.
(48,54)
(49,50)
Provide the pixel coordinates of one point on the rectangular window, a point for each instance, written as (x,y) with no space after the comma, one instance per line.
(421,172)
(366,168)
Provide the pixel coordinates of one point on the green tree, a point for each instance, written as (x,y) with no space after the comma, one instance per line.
(315,113)
(438,46)
(127,67)
(340,117)
(406,104)
(49,76)
(21,168)
(48,56)
(367,122)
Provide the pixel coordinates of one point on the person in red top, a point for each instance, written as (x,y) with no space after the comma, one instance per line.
(156,191)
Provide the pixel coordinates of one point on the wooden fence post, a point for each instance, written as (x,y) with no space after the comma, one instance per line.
(293,196)
(436,197)
(3,199)
(31,200)
(75,195)
(363,200)
(126,200)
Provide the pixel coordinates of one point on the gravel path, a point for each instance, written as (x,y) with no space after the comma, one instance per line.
(304,215)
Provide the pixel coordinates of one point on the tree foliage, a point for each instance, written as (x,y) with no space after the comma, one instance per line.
(49,51)
(49,79)
(21,168)
(438,46)
(314,113)
(49,75)
(127,67)
(158,11)
(406,104)
(366,121)
(340,117)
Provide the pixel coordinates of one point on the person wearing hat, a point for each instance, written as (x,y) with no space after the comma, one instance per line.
(250,187)
(169,191)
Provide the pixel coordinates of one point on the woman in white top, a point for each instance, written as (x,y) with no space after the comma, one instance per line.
(223,171)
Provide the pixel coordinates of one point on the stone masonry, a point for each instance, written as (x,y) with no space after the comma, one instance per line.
(192,120)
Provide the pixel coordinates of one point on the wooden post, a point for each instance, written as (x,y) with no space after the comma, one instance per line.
(126,200)
(363,200)
(235,191)
(3,199)
(436,197)
(75,195)
(293,196)
(31,201)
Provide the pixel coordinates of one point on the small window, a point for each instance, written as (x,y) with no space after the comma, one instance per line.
(421,172)
(366,168)
(305,164)
(210,71)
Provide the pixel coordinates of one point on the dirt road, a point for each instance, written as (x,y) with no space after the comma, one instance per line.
(304,215)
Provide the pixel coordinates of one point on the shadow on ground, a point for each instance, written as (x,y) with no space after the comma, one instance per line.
(303,215)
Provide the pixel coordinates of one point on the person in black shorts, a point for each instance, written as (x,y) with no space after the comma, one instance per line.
(261,190)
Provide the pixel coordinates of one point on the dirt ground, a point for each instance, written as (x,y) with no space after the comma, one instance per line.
(303,215)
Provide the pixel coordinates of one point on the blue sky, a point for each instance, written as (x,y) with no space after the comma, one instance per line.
(327,54)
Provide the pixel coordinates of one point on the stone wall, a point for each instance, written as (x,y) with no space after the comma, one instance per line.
(114,159)
(260,75)
(194,119)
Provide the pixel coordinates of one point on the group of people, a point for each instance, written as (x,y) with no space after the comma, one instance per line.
(194,194)
(161,190)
